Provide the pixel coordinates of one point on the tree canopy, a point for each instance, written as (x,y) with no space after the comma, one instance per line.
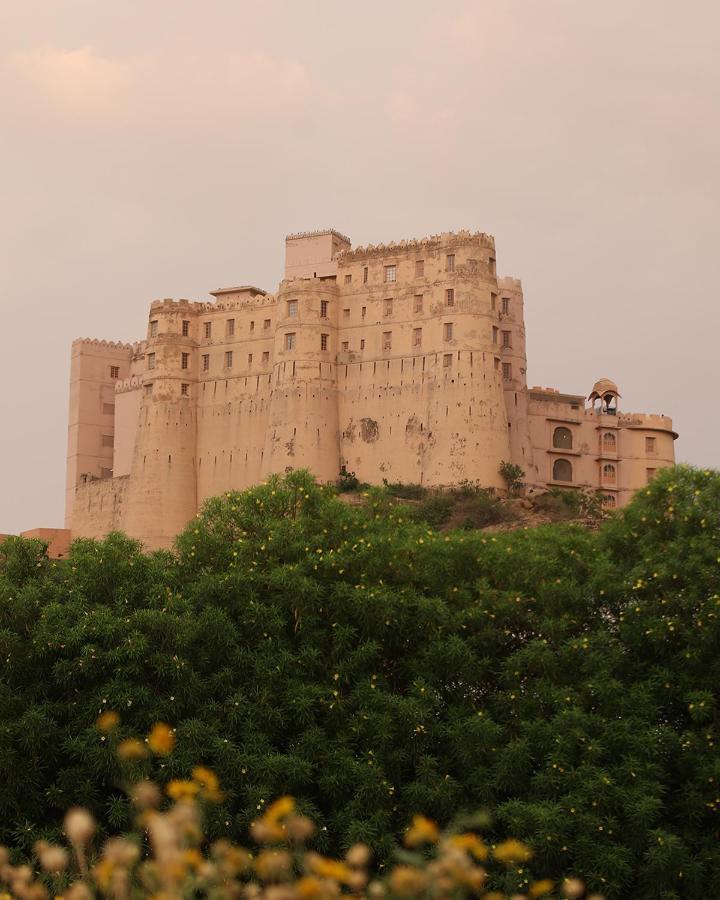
(373,667)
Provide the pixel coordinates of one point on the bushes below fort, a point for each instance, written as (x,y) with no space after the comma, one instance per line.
(374,667)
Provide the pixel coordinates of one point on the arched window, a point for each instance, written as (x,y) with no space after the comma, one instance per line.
(609,442)
(609,501)
(609,474)
(562,438)
(562,470)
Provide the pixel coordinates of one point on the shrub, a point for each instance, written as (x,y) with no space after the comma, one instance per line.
(406,491)
(484,509)
(513,476)
(434,510)
(347,481)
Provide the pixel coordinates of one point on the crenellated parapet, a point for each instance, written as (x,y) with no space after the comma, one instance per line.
(433,242)
(98,342)
(124,385)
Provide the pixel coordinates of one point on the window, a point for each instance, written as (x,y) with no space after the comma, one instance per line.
(562,470)
(184,360)
(387,340)
(491,265)
(650,445)
(609,500)
(418,305)
(153,328)
(230,327)
(266,356)
(290,341)
(419,268)
(390,274)
(450,262)
(266,324)
(292,306)
(363,311)
(348,279)
(448,331)
(185,390)
(208,329)
(206,362)
(562,438)
(506,306)
(497,362)
(114,371)
(252,325)
(450,296)
(649,475)
(346,313)
(107,440)
(417,337)
(365,275)
(495,334)
(388,307)
(472,265)
(609,442)
(345,346)
(151,360)
(228,359)
(249,359)
(609,473)
(323,309)
(362,343)
(507,371)
(148,388)
(185,327)
(493,302)
(323,341)
(447,360)
(506,339)
(108,409)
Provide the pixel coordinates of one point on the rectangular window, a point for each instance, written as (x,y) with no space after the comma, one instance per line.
(363,311)
(323,341)
(185,389)
(290,341)
(472,265)
(151,360)
(650,474)
(228,359)
(497,362)
(447,360)
(108,409)
(153,328)
(208,329)
(507,371)
(206,362)
(346,314)
(450,296)
(505,305)
(345,346)
(448,331)
(184,360)
(148,388)
(185,327)
(450,262)
(266,324)
(506,339)
(493,302)
(249,359)
(114,371)
(388,307)
(266,356)
(418,305)
(107,440)
(419,268)
(417,337)
(387,340)
(348,279)
(252,325)
(650,444)
(230,327)
(323,309)
(362,343)
(495,334)
(491,265)
(390,274)
(365,275)
(292,307)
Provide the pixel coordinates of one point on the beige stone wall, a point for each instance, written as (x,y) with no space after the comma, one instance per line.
(100,508)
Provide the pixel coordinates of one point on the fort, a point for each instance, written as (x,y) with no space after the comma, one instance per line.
(404,361)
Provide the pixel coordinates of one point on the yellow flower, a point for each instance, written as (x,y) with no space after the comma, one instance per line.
(132,748)
(512,851)
(407,881)
(193,858)
(182,790)
(106,721)
(273,864)
(161,739)
(209,783)
(540,888)
(422,831)
(279,809)
(328,868)
(471,843)
(310,888)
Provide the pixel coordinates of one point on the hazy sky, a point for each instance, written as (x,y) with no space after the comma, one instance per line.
(163,148)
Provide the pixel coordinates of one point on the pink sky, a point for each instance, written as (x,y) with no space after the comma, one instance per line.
(163,148)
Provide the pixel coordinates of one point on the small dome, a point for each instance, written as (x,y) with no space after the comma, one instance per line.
(602,387)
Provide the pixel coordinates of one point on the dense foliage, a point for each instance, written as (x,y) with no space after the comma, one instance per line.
(374,668)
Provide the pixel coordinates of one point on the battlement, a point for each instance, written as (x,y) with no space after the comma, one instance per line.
(432,242)
(98,342)
(122,386)
(508,283)
(646,420)
(170,305)
(322,232)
